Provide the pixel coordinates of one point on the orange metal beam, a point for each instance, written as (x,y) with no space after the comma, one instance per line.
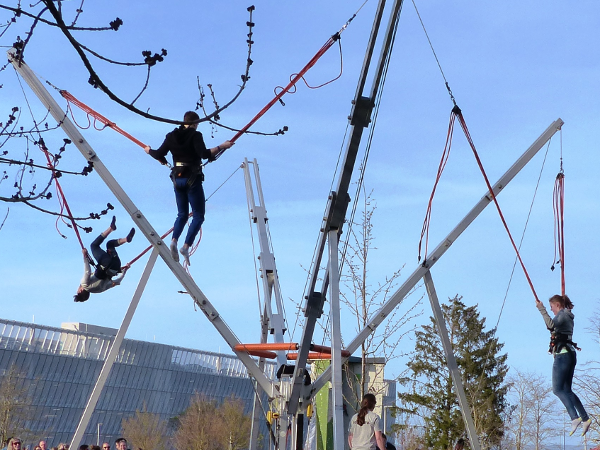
(266,346)
(263,354)
(316,355)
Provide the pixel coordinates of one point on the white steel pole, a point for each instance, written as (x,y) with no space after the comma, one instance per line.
(112,354)
(336,342)
(451,362)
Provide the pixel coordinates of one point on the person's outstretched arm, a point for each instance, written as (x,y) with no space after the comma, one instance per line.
(87,270)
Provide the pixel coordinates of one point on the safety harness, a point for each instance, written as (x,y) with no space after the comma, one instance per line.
(189,170)
(559,341)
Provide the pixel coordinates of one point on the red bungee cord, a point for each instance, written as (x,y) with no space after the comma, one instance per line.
(98,117)
(559,222)
(456,112)
(294,79)
(463,124)
(62,199)
(443,161)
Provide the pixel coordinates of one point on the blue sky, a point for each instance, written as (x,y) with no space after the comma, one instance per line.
(514,67)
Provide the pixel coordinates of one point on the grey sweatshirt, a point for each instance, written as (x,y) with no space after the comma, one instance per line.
(95,285)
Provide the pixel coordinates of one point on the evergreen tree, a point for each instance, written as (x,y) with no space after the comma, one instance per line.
(428,390)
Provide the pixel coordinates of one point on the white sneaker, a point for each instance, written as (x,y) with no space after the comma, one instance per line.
(585,426)
(173,249)
(574,424)
(185,251)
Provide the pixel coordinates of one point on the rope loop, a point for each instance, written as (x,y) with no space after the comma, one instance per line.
(457,113)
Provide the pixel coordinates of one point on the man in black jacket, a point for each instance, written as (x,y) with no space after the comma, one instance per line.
(187,147)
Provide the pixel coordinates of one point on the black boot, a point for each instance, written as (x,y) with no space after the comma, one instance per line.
(113,224)
(130,235)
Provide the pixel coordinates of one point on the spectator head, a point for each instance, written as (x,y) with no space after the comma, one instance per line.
(121,444)
(43,445)
(105,446)
(63,446)
(367,404)
(95,447)
(84,447)
(14,444)
(37,447)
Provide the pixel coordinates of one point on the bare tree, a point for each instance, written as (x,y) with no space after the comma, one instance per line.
(196,425)
(235,434)
(408,436)
(587,381)
(363,297)
(208,426)
(29,156)
(146,430)
(534,419)
(65,15)
(15,405)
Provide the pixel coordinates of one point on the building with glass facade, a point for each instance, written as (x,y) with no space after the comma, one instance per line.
(58,367)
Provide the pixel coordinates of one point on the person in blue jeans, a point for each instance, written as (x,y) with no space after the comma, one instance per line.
(109,265)
(563,348)
(188,149)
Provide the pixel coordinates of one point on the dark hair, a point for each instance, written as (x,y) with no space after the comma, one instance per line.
(82,296)
(95,447)
(121,439)
(84,447)
(368,404)
(563,301)
(191,116)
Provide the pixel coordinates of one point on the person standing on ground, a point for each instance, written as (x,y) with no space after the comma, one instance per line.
(188,149)
(565,358)
(364,432)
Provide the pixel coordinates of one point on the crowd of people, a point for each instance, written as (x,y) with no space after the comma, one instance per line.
(16,443)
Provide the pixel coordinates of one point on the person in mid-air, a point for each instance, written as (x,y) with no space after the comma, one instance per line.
(108,265)
(188,149)
(563,348)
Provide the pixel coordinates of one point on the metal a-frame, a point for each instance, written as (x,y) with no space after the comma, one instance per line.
(299,395)
(153,237)
(423,272)
(272,315)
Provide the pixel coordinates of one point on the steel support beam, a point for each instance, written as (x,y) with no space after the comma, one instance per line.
(268,269)
(271,322)
(336,342)
(360,117)
(437,253)
(113,352)
(140,220)
(451,362)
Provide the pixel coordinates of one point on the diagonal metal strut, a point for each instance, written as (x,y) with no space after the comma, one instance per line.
(437,253)
(140,220)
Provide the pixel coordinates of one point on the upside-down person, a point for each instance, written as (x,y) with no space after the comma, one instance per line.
(563,348)
(108,265)
(188,149)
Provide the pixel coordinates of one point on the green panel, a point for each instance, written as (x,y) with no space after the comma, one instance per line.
(324,423)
